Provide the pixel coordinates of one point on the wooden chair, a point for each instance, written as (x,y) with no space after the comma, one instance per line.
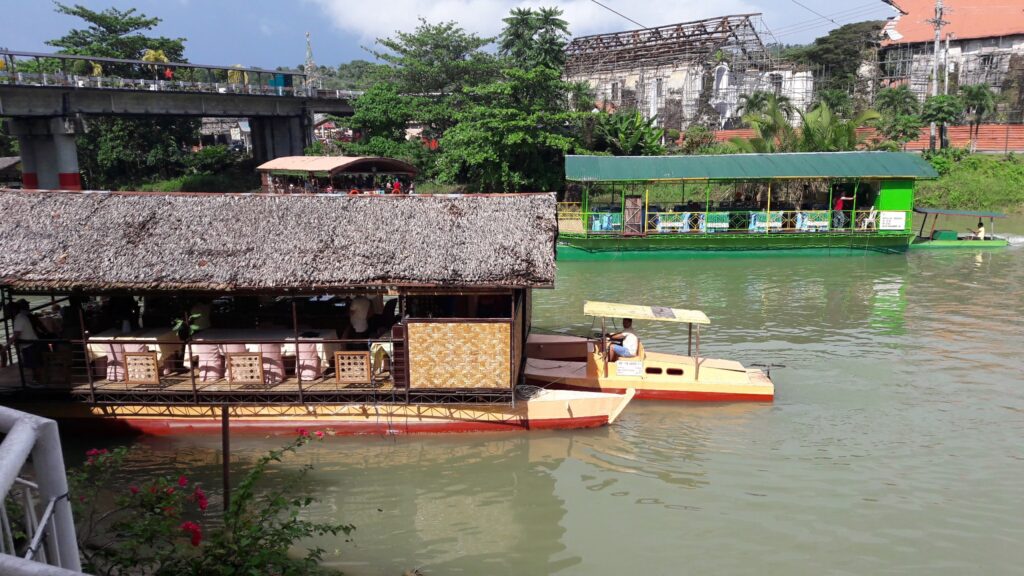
(352,367)
(245,368)
(141,368)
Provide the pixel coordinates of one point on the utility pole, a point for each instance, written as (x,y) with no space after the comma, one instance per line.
(938,22)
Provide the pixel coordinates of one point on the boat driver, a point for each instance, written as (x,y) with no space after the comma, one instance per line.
(979,233)
(626,342)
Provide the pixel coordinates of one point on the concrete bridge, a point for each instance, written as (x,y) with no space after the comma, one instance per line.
(49,98)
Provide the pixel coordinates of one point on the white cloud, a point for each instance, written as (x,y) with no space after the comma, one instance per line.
(380,18)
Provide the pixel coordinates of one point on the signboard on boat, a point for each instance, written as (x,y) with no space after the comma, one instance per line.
(892,220)
(629,367)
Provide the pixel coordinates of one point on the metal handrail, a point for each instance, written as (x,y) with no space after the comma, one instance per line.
(53,538)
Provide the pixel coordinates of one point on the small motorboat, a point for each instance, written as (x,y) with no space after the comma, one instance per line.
(577,363)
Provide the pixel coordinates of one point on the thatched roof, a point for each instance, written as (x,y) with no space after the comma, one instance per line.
(332,165)
(99,240)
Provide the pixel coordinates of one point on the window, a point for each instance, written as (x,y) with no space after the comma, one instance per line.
(659,88)
(615,91)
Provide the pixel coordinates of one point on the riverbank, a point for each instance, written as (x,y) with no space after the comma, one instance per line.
(975,182)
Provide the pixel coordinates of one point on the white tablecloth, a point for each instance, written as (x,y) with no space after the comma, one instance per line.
(252,336)
(168,346)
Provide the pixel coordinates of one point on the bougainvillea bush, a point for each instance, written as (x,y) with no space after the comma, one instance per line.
(164,526)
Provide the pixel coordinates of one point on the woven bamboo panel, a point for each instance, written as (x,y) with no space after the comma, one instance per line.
(459,355)
(245,368)
(141,368)
(352,367)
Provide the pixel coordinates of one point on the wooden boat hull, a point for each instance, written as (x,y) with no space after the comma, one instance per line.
(549,409)
(655,376)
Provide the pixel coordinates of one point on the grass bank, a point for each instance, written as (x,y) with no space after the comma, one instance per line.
(230,182)
(975,182)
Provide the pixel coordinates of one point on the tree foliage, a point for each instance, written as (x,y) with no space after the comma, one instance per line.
(114,33)
(628,133)
(838,55)
(979,102)
(118,152)
(534,38)
(514,136)
(899,101)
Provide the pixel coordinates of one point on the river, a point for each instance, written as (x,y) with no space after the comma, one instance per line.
(895,444)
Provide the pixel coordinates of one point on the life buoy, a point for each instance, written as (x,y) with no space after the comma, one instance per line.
(354,192)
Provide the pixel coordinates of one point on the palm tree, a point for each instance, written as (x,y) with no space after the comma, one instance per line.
(760,101)
(534,38)
(772,128)
(979,101)
(825,131)
(838,101)
(899,101)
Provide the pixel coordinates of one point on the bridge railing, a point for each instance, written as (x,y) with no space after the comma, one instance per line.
(78,71)
(36,526)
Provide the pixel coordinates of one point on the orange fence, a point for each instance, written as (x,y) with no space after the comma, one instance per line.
(991,137)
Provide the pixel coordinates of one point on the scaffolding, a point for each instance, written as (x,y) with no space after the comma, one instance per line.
(691,72)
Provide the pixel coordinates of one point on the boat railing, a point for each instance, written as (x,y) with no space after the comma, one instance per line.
(37,531)
(120,370)
(574,221)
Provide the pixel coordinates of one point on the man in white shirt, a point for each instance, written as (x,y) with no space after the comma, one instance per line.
(628,343)
(25,336)
(359,315)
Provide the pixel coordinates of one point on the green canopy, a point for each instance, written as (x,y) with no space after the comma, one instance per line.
(947,212)
(807,165)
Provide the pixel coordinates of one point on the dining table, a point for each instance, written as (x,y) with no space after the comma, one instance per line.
(164,341)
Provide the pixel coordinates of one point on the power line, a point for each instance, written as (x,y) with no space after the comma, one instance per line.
(618,13)
(843,14)
(805,7)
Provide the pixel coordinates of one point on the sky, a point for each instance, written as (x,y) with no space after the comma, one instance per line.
(268,33)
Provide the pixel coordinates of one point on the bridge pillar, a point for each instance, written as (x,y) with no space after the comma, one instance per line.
(49,157)
(276,137)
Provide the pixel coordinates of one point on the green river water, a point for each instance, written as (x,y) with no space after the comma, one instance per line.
(895,444)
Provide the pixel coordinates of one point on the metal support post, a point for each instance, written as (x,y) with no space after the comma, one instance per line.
(225,446)
(298,354)
(85,350)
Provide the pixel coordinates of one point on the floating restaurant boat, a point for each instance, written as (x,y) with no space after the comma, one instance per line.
(838,202)
(575,363)
(939,238)
(387,314)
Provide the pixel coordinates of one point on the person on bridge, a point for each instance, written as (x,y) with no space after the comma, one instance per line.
(168,74)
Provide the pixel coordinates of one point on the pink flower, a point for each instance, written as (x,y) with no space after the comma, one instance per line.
(320,434)
(200,498)
(133,489)
(194,531)
(169,490)
(182,481)
(92,452)
(303,432)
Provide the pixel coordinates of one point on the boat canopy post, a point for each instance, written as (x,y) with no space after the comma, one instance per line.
(920,233)
(707,204)
(831,186)
(604,346)
(689,339)
(647,207)
(696,359)
(85,348)
(298,355)
(768,223)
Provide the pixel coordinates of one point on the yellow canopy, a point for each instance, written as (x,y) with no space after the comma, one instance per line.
(610,310)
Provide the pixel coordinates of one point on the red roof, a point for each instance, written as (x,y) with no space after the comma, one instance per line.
(967,19)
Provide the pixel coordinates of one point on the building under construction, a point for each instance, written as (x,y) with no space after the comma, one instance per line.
(693,72)
(981,42)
